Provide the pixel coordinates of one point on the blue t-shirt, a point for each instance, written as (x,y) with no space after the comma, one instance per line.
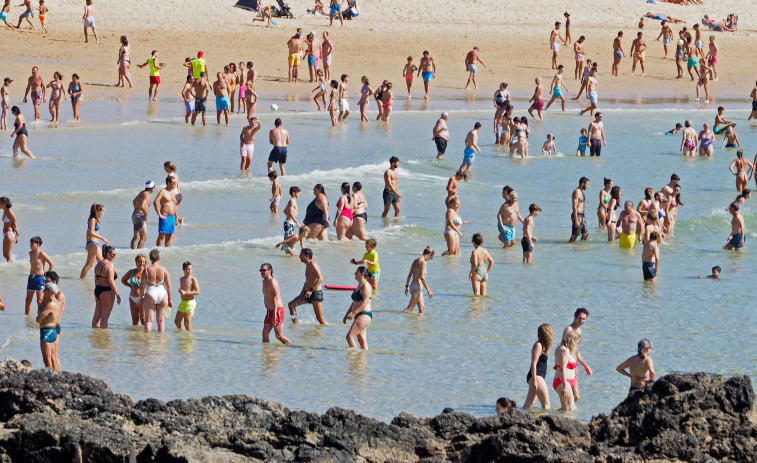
(581,146)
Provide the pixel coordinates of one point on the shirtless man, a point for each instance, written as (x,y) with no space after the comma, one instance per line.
(27,14)
(667,36)
(344,101)
(471,146)
(313,52)
(692,62)
(327,49)
(650,258)
(507,218)
(246,143)
(221,89)
(165,205)
(441,134)
(528,240)
(579,318)
(578,49)
(279,138)
(294,45)
(428,69)
(591,93)
(738,230)
(617,53)
(36,84)
(312,290)
(753,95)
(578,218)
(596,133)
(52,277)
(141,205)
(554,45)
(49,319)
(252,74)
(557,80)
(471,65)
(630,226)
(638,46)
(274,317)
(712,59)
(186,95)
(391,193)
(200,91)
(36,280)
(537,99)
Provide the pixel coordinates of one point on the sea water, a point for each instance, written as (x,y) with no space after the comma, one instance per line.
(465,351)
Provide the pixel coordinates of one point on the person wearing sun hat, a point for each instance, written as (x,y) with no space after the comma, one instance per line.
(139,217)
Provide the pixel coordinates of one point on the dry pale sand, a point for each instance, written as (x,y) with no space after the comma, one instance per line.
(513,41)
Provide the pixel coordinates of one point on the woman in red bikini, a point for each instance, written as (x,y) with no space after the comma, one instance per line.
(565,370)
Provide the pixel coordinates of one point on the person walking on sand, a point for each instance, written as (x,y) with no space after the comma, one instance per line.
(441,134)
(141,205)
(557,80)
(124,63)
(36,86)
(638,46)
(279,138)
(667,36)
(617,53)
(537,99)
(294,45)
(89,21)
(554,45)
(155,68)
(640,366)
(427,69)
(274,316)
(578,49)
(391,194)
(471,65)
(712,58)
(312,290)
(416,281)
(408,72)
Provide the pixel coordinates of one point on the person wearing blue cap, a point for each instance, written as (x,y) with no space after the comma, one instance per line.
(139,217)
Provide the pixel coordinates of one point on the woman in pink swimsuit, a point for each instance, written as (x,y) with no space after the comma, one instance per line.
(344,213)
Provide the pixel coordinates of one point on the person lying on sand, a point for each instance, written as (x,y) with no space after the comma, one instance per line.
(663,17)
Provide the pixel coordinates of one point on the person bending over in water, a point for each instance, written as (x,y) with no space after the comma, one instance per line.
(640,366)
(418,276)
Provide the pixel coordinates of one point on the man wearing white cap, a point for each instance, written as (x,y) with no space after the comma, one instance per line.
(139,217)
(471,65)
(48,319)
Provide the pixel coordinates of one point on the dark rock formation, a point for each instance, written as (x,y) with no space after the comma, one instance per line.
(64,417)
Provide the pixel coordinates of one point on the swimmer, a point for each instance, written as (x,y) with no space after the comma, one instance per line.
(416,281)
(715,275)
(738,230)
(549,146)
(731,140)
(528,240)
(675,131)
(507,218)
(5,101)
(666,32)
(274,317)
(133,280)
(452,231)
(106,290)
(650,258)
(706,137)
(640,366)
(566,370)
(579,318)
(408,71)
(275,199)
(630,224)
(312,290)
(743,170)
(359,310)
(92,245)
(371,261)
(471,146)
(583,142)
(10,228)
(188,98)
(557,81)
(481,265)
(537,373)
(189,287)
(155,293)
(596,131)
(36,280)
(247,143)
(49,326)
(222,91)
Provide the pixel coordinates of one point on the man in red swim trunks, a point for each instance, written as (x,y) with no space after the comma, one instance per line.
(274,317)
(538,99)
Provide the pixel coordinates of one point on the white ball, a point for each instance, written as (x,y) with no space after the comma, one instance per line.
(274,107)
(680,42)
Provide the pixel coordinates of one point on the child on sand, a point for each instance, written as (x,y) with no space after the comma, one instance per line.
(36,281)
(189,287)
(583,142)
(408,72)
(43,15)
(4,14)
(371,261)
(549,146)
(287,245)
(275,192)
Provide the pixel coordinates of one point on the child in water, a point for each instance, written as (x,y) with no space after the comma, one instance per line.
(275,192)
(715,273)
(549,146)
(583,142)
(287,244)
(371,261)
(189,287)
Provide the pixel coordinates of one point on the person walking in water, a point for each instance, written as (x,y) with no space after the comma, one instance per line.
(416,281)
(391,193)
(640,366)
(274,317)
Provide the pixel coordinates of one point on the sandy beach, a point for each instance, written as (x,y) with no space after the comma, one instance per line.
(514,44)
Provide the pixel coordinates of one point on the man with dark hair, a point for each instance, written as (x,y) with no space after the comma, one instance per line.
(579,318)
(391,194)
(738,230)
(667,190)
(471,146)
(578,218)
(274,317)
(279,138)
(312,290)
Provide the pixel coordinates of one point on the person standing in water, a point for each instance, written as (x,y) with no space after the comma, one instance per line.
(48,318)
(441,135)
(165,205)
(640,366)
(528,240)
(566,370)
(312,290)
(650,258)
(141,205)
(554,45)
(537,373)
(578,217)
(155,293)
(416,281)
(360,310)
(391,194)
(89,21)
(556,90)
(743,170)
(471,146)
(579,318)
(481,265)
(738,230)
(274,316)
(36,281)
(247,143)
(279,138)
(189,287)
(92,246)
(427,68)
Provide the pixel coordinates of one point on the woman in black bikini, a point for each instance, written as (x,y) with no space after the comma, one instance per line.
(20,133)
(359,214)
(106,291)
(360,310)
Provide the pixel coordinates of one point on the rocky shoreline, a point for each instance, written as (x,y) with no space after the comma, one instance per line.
(65,417)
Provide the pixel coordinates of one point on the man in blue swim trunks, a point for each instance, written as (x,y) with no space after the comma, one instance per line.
(428,69)
(49,328)
(279,138)
(36,281)
(221,89)
(557,81)
(507,217)
(471,146)
(165,205)
(738,229)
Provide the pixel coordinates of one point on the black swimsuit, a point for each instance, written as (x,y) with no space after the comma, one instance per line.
(541,368)
(23,130)
(313,214)
(103,289)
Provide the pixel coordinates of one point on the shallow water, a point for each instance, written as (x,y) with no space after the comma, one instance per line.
(464,352)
